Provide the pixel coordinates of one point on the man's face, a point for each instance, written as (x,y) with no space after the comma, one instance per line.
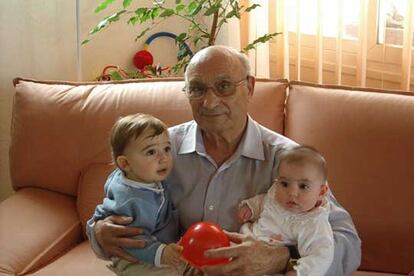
(212,112)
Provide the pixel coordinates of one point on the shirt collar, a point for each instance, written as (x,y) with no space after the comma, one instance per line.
(250,146)
(191,139)
(155,186)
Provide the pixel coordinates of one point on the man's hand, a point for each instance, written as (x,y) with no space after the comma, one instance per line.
(112,234)
(249,257)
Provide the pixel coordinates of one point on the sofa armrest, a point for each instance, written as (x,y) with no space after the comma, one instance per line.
(36,226)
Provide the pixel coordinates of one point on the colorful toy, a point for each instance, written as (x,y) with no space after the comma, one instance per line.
(144,59)
(200,237)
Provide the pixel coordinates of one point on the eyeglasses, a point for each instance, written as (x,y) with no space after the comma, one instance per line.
(222,88)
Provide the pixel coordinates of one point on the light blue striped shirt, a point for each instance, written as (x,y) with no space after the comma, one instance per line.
(202,191)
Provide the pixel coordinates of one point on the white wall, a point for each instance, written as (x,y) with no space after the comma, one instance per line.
(116,45)
(38,40)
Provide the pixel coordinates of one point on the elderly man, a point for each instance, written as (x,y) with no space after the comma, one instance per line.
(222,157)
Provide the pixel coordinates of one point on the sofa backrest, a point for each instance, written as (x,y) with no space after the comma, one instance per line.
(368,140)
(60,130)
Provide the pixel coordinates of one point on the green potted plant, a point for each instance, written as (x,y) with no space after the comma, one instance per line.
(197,35)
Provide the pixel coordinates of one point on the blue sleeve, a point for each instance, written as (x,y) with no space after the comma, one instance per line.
(106,208)
(101,212)
(147,254)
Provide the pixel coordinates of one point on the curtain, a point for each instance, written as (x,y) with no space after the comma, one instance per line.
(333,41)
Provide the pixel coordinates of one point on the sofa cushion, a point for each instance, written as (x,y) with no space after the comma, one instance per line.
(368,140)
(268,103)
(79,261)
(91,190)
(41,225)
(64,126)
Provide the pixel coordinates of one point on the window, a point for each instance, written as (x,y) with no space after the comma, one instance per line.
(391,17)
(331,11)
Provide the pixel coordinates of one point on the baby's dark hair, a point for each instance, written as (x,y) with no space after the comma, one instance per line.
(303,153)
(131,127)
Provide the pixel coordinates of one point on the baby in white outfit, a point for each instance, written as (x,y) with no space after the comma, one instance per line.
(295,211)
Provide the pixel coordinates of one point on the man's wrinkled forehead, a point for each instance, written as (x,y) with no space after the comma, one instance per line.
(208,78)
(212,68)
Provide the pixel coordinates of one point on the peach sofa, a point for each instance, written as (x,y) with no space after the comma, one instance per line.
(59,159)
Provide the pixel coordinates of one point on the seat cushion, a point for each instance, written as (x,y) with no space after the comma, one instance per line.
(36,226)
(78,261)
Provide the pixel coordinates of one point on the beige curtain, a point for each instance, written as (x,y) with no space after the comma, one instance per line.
(299,55)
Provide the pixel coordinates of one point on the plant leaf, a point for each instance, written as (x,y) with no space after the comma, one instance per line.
(181,37)
(167,13)
(252,7)
(155,12)
(115,17)
(145,14)
(212,10)
(85,41)
(133,20)
(106,21)
(142,33)
(233,13)
(140,12)
(179,7)
(263,39)
(196,38)
(193,8)
(115,75)
(183,52)
(103,5)
(126,3)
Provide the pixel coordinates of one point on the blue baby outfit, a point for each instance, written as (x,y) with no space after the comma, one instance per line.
(149,206)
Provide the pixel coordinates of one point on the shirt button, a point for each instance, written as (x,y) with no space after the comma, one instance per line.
(211,207)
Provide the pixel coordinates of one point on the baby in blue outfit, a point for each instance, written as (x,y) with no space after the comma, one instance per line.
(141,151)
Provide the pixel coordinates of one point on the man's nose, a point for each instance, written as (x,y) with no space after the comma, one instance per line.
(210,98)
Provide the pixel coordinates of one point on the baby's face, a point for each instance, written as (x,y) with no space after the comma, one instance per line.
(149,158)
(299,186)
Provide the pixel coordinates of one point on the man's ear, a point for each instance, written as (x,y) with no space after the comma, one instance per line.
(251,81)
(122,163)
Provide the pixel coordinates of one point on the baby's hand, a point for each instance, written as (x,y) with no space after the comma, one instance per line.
(172,255)
(290,273)
(244,213)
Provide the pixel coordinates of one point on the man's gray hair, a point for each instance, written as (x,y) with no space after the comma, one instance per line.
(244,61)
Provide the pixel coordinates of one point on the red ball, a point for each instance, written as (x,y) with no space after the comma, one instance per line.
(142,58)
(200,237)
